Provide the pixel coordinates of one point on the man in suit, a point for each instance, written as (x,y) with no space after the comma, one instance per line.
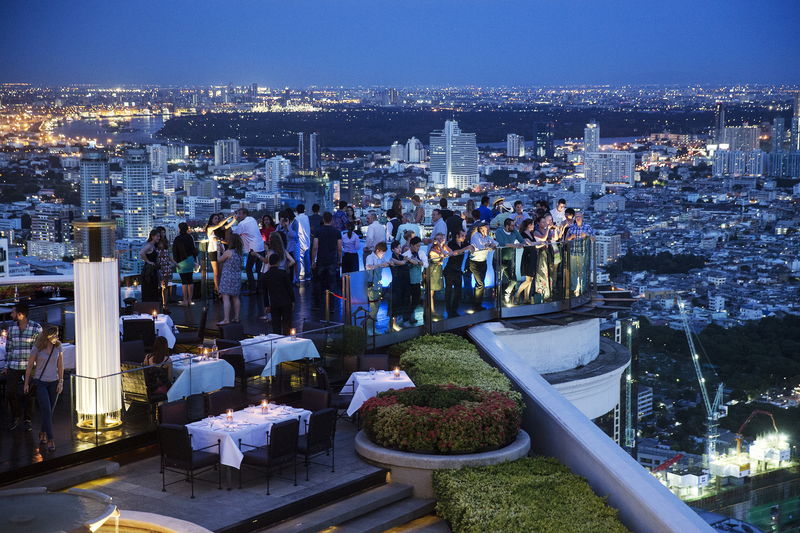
(281,296)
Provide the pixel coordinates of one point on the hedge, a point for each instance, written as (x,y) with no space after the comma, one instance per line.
(450,359)
(529,494)
(441,419)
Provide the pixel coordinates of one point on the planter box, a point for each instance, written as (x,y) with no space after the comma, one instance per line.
(416,469)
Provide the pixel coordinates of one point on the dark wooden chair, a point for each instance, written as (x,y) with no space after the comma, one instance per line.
(196,407)
(280,451)
(191,340)
(147,308)
(337,399)
(314,399)
(232,332)
(178,456)
(376,361)
(134,388)
(319,437)
(173,413)
(224,399)
(231,351)
(132,351)
(143,329)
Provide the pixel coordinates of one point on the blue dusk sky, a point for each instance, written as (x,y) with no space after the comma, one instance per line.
(400,42)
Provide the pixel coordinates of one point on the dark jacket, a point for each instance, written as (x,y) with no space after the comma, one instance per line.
(279,287)
(183,247)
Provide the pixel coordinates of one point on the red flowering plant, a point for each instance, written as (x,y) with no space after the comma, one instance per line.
(443,419)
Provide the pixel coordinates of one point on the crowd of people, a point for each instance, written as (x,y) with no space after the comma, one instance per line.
(318,248)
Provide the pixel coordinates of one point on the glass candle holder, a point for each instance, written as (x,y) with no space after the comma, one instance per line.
(264,406)
(229,415)
(396,372)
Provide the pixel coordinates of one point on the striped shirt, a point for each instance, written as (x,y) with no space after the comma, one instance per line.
(20,344)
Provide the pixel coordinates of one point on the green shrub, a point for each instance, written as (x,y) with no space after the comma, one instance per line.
(530,494)
(444,341)
(441,419)
(352,342)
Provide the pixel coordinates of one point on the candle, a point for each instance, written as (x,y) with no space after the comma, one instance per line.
(205,353)
(396,372)
(135,283)
(155,314)
(229,415)
(293,333)
(264,406)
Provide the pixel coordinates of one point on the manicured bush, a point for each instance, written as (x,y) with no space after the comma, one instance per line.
(529,494)
(448,358)
(441,419)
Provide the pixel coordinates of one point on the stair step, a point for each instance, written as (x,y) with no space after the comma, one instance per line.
(345,510)
(69,477)
(388,517)
(427,524)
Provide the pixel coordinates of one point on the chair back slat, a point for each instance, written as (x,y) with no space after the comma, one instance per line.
(315,399)
(175,442)
(283,439)
(196,407)
(143,329)
(321,428)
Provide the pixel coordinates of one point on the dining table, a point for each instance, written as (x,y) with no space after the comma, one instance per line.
(272,350)
(195,374)
(366,385)
(164,325)
(248,426)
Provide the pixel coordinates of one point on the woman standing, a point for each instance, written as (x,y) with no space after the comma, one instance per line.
(349,249)
(542,234)
(213,230)
(285,262)
(529,262)
(185,255)
(46,369)
(166,266)
(267,227)
(353,219)
(436,257)
(150,280)
(230,280)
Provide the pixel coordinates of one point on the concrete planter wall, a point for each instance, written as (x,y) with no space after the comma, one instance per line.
(416,469)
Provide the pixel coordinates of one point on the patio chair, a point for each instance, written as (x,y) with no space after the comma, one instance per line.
(178,456)
(319,437)
(132,351)
(314,399)
(173,413)
(232,332)
(224,399)
(280,451)
(191,340)
(231,351)
(143,329)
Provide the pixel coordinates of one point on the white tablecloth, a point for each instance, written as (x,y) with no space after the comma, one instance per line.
(249,426)
(198,376)
(164,326)
(67,349)
(277,349)
(367,387)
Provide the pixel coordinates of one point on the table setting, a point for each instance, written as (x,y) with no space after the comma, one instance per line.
(164,325)
(369,384)
(273,350)
(198,373)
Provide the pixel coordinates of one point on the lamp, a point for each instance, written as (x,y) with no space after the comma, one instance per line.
(98,381)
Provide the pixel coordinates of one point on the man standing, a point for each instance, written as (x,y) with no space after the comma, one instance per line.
(327,257)
(439,225)
(340,218)
(519,215)
(315,220)
(510,240)
(455,224)
(581,238)
(419,211)
(392,224)
(485,211)
(303,270)
(481,243)
(247,228)
(446,213)
(559,215)
(375,233)
(453,272)
(19,343)
(281,296)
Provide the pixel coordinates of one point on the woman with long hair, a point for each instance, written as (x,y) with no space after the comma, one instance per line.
(166,266)
(230,280)
(528,264)
(46,370)
(543,237)
(350,249)
(436,256)
(267,227)
(354,220)
(149,276)
(185,254)
(214,234)
(285,262)
(159,376)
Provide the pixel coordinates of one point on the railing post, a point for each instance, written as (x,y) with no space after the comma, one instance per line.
(327,305)
(204,275)
(427,304)
(498,282)
(566,260)
(348,306)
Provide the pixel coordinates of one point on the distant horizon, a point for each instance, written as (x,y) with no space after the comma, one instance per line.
(794,86)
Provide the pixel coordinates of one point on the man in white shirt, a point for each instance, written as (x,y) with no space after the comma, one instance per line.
(439,225)
(375,233)
(408,225)
(303,270)
(559,217)
(482,243)
(247,228)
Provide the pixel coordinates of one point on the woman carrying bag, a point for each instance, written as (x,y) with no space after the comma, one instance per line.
(46,368)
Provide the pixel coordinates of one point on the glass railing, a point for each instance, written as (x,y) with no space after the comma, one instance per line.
(460,289)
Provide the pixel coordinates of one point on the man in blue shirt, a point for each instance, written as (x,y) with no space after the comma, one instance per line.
(486,213)
(482,243)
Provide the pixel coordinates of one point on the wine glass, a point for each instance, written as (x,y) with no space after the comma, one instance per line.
(372,373)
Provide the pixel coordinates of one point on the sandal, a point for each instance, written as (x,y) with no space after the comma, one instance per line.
(223,323)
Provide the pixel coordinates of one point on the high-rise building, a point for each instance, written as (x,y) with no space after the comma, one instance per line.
(738,163)
(301,151)
(95,184)
(313,151)
(177,151)
(397,153)
(158,155)
(795,144)
(454,158)
(227,152)
(778,137)
(415,152)
(609,247)
(52,222)
(515,145)
(543,140)
(200,209)
(719,121)
(137,194)
(611,168)
(591,137)
(276,169)
(740,137)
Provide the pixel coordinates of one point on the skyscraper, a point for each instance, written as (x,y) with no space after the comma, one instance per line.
(740,138)
(515,145)
(276,169)
(454,158)
(397,152)
(158,155)
(795,145)
(543,139)
(95,184)
(415,152)
(719,121)
(313,151)
(227,152)
(778,134)
(591,137)
(137,193)
(301,151)
(612,168)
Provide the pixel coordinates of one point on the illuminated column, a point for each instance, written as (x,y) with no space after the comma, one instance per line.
(97,383)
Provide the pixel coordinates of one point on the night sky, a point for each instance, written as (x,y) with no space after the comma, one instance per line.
(400,42)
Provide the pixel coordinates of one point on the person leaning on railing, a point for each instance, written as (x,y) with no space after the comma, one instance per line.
(580,235)
(482,244)
(376,233)
(453,271)
(374,265)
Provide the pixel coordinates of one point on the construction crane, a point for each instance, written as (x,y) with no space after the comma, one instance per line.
(739,435)
(668,463)
(712,408)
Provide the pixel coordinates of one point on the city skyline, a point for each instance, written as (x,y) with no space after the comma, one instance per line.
(446,43)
